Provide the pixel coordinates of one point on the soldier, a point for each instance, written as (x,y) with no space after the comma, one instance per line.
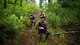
(42,28)
(32,19)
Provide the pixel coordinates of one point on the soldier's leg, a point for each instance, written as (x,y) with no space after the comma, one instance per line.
(46,35)
(34,22)
(40,34)
(30,22)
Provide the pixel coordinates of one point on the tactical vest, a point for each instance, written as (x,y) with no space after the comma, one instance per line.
(42,25)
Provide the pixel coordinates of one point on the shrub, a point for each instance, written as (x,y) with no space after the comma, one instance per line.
(9,27)
(13,20)
(53,20)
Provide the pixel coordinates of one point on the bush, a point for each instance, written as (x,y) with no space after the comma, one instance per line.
(13,20)
(53,20)
(68,16)
(9,27)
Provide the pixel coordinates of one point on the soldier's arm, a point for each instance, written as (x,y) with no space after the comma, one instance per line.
(46,26)
(37,25)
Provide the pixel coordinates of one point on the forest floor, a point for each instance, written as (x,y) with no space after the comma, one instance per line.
(30,37)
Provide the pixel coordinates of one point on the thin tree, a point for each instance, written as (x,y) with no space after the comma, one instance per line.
(5,4)
(40,3)
(15,3)
(21,3)
(49,1)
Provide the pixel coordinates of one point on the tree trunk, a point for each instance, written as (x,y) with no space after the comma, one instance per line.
(21,3)
(5,4)
(50,1)
(15,3)
(40,3)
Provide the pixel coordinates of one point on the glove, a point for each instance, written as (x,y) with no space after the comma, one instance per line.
(41,28)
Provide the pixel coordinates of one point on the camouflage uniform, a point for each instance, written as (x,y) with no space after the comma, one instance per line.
(32,19)
(42,31)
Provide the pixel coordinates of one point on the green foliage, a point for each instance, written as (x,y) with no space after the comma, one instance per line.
(53,7)
(65,13)
(65,16)
(13,20)
(28,7)
(53,20)
(9,27)
(25,20)
(68,16)
(69,3)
